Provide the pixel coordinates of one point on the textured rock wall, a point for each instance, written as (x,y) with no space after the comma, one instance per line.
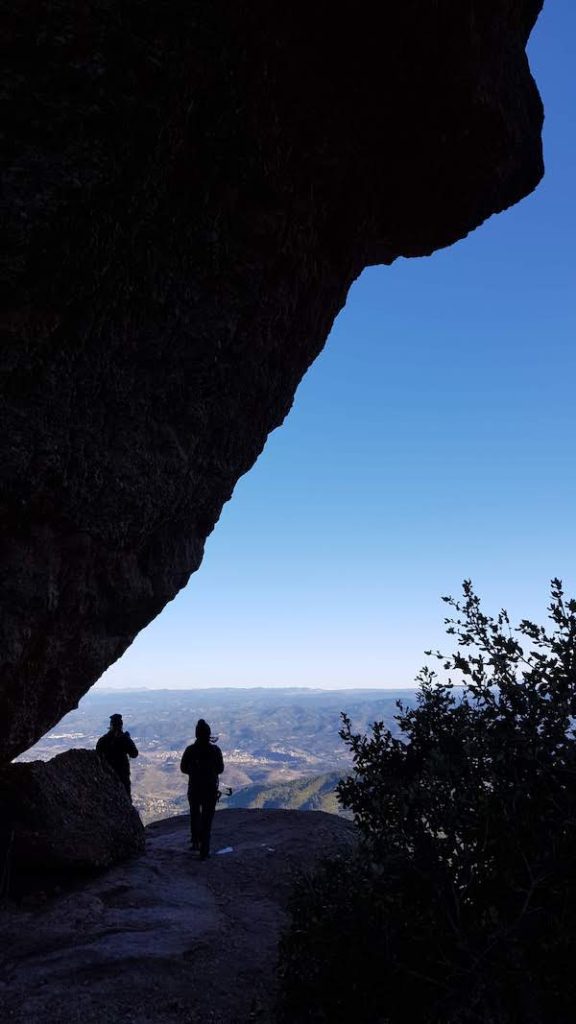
(192,188)
(71,813)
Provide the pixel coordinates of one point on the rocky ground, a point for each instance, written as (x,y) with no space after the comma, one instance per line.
(164,938)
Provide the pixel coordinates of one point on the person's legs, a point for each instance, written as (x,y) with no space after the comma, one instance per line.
(207,814)
(195,820)
(126,782)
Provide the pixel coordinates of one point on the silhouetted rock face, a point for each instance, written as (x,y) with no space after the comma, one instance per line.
(193,188)
(69,813)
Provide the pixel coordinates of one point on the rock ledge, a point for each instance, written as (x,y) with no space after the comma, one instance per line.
(165,939)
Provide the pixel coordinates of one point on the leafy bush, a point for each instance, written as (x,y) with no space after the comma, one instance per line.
(460,905)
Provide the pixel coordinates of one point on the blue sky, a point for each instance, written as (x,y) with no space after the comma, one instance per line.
(434,439)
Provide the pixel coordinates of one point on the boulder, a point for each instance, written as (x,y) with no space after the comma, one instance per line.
(69,813)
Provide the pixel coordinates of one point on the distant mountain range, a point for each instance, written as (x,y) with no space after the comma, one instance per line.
(281,746)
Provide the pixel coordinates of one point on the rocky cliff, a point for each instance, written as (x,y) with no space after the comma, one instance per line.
(166,939)
(192,187)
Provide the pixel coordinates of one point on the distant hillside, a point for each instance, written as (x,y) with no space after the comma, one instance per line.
(277,742)
(312,794)
(278,723)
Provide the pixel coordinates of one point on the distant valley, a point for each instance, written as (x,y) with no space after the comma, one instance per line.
(281,746)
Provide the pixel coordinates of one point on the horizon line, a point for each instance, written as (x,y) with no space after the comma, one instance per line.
(215,689)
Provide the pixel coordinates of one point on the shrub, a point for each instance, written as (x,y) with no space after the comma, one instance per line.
(460,905)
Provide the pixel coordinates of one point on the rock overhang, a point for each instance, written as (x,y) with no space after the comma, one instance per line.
(190,200)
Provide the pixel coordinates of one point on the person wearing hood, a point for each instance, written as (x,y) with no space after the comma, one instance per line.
(202,762)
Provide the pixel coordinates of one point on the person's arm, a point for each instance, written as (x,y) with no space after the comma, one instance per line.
(131,748)
(219,760)
(100,746)
(185,762)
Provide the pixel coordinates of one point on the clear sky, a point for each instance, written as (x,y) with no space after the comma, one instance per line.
(434,439)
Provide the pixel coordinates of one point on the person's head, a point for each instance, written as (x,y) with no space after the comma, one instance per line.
(116,723)
(202,731)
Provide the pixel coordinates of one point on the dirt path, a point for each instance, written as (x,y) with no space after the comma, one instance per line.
(165,939)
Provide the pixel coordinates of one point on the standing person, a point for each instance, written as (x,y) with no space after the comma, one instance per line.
(116,746)
(202,762)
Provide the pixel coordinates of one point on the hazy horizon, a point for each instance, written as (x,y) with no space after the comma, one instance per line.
(120,688)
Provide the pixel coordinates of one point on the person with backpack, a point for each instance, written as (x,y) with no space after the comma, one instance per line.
(202,762)
(115,747)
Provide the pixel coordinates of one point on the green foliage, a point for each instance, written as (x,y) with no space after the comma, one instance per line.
(461,903)
(316,793)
